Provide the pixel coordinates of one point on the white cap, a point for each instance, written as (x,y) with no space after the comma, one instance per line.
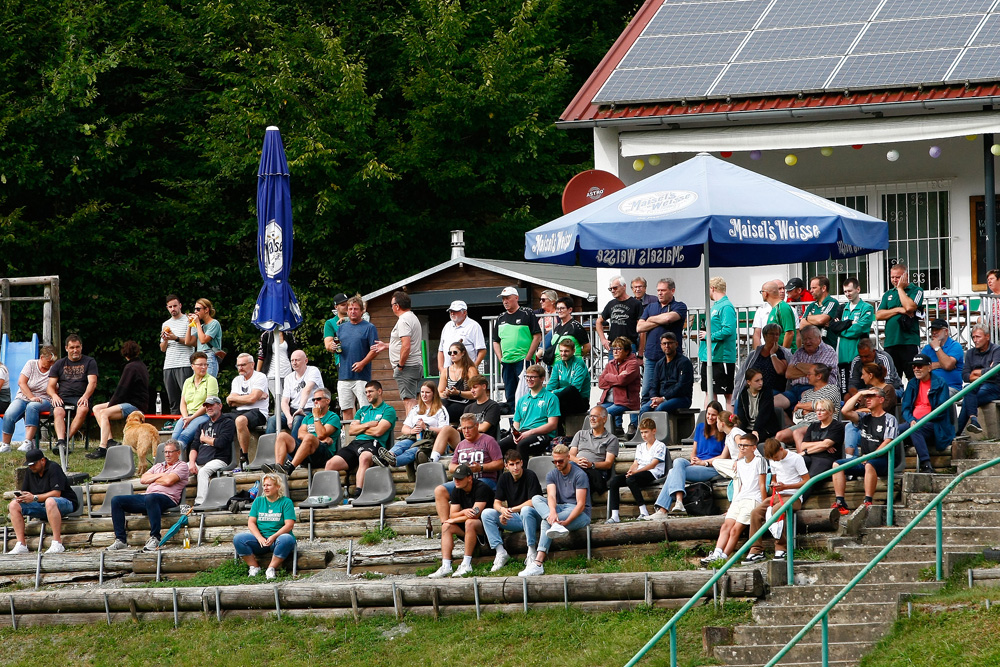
(457,306)
(508,291)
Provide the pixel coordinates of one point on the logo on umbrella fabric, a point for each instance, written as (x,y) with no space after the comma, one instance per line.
(653,204)
(274,257)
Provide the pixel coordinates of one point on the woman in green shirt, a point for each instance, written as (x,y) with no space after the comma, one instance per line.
(272,517)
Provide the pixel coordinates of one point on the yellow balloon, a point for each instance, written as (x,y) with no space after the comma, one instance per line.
(654,160)
(826,151)
(971,137)
(638,164)
(995,149)
(791,159)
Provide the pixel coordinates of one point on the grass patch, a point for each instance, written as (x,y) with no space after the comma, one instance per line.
(231,573)
(373,575)
(554,637)
(378,535)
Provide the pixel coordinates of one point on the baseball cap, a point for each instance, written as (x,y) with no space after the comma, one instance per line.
(456,306)
(938,324)
(213,400)
(794,283)
(921,360)
(461,472)
(508,291)
(339,299)
(33,456)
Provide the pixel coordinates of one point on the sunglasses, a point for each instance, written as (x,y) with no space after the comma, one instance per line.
(454,352)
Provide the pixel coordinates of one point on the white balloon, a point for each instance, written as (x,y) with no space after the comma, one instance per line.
(892,155)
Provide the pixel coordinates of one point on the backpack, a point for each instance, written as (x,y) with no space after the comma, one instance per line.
(698,499)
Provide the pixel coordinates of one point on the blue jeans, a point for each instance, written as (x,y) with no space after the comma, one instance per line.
(405,452)
(615,411)
(213,363)
(186,435)
(563,510)
(296,423)
(527,521)
(648,371)
(881,465)
(511,376)
(682,472)
(29,410)
(246,544)
(970,404)
(151,504)
(919,440)
(852,436)
(795,391)
(37,509)
(669,405)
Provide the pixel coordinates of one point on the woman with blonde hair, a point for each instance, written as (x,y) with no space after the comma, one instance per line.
(205,332)
(424,421)
(272,517)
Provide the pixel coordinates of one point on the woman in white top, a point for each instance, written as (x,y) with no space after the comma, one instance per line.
(649,466)
(423,421)
(730,425)
(31,399)
(749,469)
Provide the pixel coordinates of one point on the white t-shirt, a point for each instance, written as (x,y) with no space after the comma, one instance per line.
(732,445)
(469,332)
(38,381)
(243,387)
(644,455)
(284,363)
(430,421)
(178,355)
(748,477)
(5,377)
(406,325)
(789,470)
(293,386)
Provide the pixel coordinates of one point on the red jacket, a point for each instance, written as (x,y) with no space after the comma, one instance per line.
(623,381)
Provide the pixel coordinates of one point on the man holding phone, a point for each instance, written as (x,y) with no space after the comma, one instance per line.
(46,495)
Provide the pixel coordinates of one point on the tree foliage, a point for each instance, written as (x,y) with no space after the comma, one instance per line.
(130,134)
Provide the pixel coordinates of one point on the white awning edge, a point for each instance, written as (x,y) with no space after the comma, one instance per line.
(810,135)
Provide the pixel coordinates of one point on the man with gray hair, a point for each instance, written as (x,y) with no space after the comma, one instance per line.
(296,394)
(318,437)
(981,357)
(248,394)
(813,352)
(595,449)
(620,316)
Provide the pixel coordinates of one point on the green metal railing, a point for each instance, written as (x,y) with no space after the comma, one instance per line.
(786,513)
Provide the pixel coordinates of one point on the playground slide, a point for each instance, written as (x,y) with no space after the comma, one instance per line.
(14,355)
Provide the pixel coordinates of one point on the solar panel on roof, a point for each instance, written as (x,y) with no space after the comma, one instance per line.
(893,69)
(776,75)
(690,19)
(795,13)
(990,32)
(799,42)
(646,85)
(907,9)
(682,50)
(977,63)
(926,34)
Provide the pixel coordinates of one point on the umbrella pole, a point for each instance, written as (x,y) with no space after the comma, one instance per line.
(277,385)
(708,327)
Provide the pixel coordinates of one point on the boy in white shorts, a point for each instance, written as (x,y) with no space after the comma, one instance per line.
(789,473)
(749,471)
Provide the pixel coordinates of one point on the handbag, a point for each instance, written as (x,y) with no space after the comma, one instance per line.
(778,526)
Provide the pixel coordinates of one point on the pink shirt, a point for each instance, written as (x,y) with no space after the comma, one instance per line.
(173,491)
(484,450)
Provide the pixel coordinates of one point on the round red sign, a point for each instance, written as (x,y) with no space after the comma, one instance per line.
(587,187)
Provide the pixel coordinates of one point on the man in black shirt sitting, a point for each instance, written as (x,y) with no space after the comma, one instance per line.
(214,450)
(516,487)
(45,494)
(470,497)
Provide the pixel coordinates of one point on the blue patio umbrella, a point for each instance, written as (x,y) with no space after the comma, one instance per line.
(706,207)
(277,308)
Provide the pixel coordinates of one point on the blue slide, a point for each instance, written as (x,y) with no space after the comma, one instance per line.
(14,356)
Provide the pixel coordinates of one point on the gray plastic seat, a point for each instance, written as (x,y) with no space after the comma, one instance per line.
(81,499)
(430,475)
(119,464)
(662,428)
(160,456)
(265,451)
(379,488)
(234,460)
(220,490)
(116,489)
(284,484)
(541,465)
(325,483)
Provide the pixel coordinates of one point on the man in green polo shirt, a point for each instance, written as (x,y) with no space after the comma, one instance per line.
(570,382)
(372,431)
(536,417)
(898,309)
(822,310)
(781,313)
(861,314)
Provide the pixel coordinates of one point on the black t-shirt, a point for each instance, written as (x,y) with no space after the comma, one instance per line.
(874,431)
(772,380)
(52,479)
(516,492)
(72,375)
(835,432)
(486,412)
(223,430)
(620,318)
(479,493)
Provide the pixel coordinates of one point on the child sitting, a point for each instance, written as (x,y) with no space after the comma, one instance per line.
(650,465)
(749,471)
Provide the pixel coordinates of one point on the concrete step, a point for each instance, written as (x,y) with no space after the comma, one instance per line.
(951,517)
(812,652)
(902,552)
(868,592)
(961,465)
(924,534)
(748,635)
(984,450)
(768,613)
(924,483)
(836,572)
(955,500)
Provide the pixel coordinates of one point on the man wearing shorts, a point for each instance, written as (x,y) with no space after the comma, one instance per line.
(72,382)
(46,495)
(404,350)
(319,436)
(724,333)
(877,428)
(357,338)
(372,431)
(468,500)
(248,394)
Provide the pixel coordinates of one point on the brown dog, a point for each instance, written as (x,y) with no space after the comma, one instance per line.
(141,437)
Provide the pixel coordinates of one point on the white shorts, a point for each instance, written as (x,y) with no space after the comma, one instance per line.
(739,511)
(348,391)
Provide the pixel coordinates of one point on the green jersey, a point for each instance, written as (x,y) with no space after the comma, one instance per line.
(534,411)
(861,317)
(371,414)
(894,333)
(514,331)
(828,306)
(782,315)
(329,419)
(271,516)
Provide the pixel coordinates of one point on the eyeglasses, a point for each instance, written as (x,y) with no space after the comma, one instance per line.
(595,417)
(454,352)
(170,451)
(614,287)
(198,308)
(200,364)
(320,398)
(559,462)
(532,377)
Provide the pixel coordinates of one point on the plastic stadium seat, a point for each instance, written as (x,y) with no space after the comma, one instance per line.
(220,490)
(81,498)
(265,451)
(325,483)
(119,464)
(662,429)
(541,465)
(430,475)
(116,489)
(379,488)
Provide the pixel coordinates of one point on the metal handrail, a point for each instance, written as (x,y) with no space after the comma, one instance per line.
(787,515)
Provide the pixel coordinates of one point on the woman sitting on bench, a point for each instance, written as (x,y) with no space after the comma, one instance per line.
(708,445)
(272,517)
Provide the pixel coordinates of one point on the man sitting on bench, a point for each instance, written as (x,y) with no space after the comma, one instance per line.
(877,429)
(372,431)
(319,435)
(672,384)
(46,495)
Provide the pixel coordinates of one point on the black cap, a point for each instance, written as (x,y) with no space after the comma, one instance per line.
(938,324)
(461,472)
(921,360)
(339,299)
(33,456)
(794,283)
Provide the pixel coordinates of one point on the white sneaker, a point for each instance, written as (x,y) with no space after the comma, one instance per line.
(556,530)
(26,446)
(531,570)
(646,517)
(55,548)
(269,574)
(4,448)
(658,516)
(712,557)
(612,519)
(117,546)
(462,570)
(254,571)
(152,544)
(441,572)
(678,508)
(19,548)
(501,559)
